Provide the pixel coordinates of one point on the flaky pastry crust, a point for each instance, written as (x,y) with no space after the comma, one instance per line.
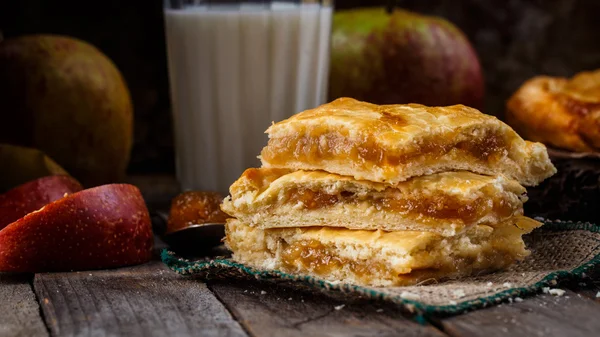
(392,143)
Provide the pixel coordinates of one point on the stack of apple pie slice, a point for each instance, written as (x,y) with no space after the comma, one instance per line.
(386,195)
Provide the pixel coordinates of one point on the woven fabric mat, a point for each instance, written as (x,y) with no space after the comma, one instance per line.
(559,250)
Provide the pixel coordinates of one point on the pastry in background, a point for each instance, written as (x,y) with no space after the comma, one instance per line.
(561,112)
(565,115)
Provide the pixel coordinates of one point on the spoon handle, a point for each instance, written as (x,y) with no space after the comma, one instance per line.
(159,221)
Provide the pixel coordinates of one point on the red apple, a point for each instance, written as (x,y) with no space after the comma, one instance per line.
(102,227)
(402,57)
(34,195)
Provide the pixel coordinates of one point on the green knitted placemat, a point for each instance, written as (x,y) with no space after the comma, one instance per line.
(560,250)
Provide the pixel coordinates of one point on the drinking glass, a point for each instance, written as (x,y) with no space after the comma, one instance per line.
(234,68)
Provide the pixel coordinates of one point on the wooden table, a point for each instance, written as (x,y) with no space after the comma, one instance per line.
(150,300)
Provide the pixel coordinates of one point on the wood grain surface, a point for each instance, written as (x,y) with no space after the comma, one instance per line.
(150,300)
(146,300)
(278,310)
(19,309)
(543,315)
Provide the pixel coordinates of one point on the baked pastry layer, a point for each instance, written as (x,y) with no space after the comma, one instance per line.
(391,143)
(557,111)
(378,258)
(443,202)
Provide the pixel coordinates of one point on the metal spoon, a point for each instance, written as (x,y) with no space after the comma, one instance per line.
(195,239)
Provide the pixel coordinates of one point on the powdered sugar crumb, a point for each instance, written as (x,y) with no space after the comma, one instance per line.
(409,296)
(458,293)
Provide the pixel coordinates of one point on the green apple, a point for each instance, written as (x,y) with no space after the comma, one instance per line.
(19,165)
(65,97)
(402,57)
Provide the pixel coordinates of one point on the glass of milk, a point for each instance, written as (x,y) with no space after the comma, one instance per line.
(234,68)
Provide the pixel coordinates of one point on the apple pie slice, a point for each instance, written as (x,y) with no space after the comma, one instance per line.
(445,202)
(378,258)
(391,143)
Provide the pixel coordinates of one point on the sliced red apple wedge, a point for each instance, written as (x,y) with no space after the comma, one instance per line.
(101,227)
(34,195)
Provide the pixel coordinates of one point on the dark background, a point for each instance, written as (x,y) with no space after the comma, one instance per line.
(515,40)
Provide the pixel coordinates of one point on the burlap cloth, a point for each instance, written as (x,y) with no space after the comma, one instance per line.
(560,250)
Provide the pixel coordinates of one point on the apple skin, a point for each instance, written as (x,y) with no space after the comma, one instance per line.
(403,57)
(34,195)
(102,227)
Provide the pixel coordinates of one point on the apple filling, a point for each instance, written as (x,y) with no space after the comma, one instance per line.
(440,206)
(576,106)
(314,256)
(488,148)
(320,260)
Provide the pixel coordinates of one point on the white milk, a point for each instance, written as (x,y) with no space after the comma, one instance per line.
(232,72)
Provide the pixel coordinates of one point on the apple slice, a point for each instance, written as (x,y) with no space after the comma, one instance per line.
(101,227)
(34,195)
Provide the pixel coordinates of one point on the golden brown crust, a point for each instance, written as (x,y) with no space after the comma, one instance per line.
(557,111)
(391,143)
(444,202)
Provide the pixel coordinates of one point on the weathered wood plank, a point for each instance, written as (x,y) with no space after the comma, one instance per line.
(278,310)
(19,310)
(146,300)
(543,315)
